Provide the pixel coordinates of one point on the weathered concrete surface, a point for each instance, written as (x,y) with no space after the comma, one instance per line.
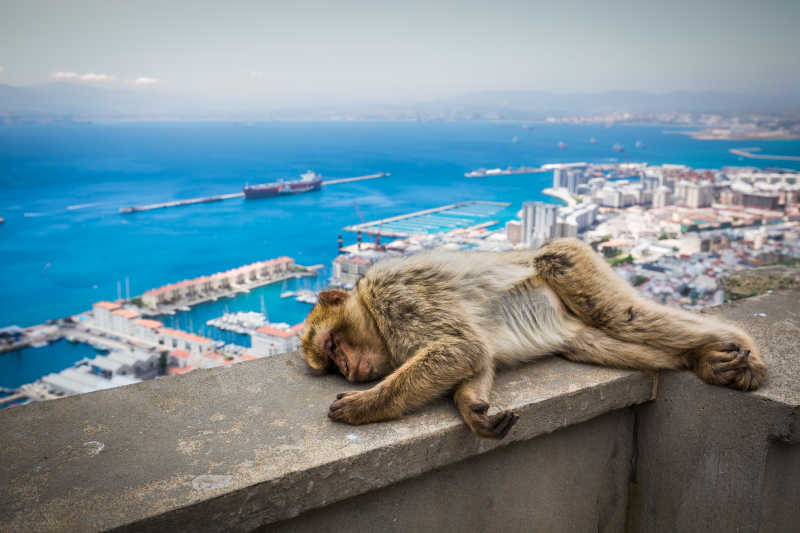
(713,459)
(238,447)
(575,479)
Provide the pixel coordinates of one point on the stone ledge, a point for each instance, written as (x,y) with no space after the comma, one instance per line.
(237,447)
(774,322)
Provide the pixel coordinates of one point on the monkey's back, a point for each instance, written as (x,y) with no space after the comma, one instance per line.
(487,297)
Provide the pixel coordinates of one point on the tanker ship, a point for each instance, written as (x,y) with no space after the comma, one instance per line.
(309,181)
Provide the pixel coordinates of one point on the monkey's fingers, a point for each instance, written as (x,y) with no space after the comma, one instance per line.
(496,426)
(731,365)
(347,408)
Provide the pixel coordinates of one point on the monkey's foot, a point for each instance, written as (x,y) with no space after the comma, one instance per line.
(731,365)
(496,426)
(357,407)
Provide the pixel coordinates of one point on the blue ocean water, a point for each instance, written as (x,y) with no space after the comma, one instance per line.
(64,244)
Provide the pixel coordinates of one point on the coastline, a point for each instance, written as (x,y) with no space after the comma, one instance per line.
(705,135)
(748,153)
(562,195)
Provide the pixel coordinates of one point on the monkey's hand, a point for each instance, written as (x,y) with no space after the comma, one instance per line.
(495,426)
(357,407)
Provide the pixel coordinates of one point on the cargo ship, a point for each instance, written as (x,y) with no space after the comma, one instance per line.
(309,181)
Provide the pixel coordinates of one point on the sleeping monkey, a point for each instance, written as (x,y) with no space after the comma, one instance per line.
(437,322)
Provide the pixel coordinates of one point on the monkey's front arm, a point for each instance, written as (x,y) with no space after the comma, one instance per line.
(433,370)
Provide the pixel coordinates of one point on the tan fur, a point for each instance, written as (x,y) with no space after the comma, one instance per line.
(436,322)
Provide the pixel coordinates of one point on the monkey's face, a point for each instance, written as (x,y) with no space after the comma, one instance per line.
(336,339)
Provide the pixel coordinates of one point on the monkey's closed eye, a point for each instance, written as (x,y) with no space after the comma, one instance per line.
(329,348)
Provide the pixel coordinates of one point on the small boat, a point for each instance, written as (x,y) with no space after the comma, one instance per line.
(639,144)
(618,148)
(592,141)
(562,144)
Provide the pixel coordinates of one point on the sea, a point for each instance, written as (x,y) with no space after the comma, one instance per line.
(65,245)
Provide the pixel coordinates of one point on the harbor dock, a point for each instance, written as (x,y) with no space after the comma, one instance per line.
(460,215)
(221,197)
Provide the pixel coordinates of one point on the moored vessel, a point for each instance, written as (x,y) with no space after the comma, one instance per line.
(309,181)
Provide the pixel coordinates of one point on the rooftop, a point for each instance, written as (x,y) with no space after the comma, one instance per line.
(183,335)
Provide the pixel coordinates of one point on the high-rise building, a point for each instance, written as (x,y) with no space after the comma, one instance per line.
(699,194)
(557,178)
(572,181)
(662,197)
(514,231)
(539,223)
(611,197)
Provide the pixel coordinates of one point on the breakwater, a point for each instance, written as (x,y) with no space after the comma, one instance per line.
(221,197)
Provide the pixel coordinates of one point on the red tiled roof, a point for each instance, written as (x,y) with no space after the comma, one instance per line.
(213,355)
(276,332)
(250,357)
(298,328)
(126,313)
(106,305)
(173,371)
(146,322)
(183,335)
(183,354)
(233,271)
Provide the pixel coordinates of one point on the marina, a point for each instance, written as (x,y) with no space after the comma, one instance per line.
(462,215)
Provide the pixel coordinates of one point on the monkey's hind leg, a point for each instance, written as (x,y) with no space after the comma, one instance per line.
(719,353)
(472,400)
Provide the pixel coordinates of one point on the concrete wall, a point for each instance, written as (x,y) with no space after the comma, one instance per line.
(249,447)
(575,479)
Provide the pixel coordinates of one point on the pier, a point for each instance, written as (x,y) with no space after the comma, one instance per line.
(221,197)
(357,178)
(462,215)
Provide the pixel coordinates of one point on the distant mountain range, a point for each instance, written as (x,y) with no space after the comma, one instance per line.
(71,101)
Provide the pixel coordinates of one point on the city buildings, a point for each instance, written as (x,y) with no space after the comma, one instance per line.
(221,281)
(539,223)
(275,339)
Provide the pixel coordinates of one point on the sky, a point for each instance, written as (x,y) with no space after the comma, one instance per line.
(396,49)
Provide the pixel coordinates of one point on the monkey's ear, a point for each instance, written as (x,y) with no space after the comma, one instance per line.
(332,297)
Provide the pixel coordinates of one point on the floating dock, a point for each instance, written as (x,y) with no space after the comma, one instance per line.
(462,215)
(221,197)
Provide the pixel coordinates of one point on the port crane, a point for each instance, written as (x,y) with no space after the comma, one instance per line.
(378,245)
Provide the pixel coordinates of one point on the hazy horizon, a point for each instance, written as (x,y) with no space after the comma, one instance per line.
(413,51)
